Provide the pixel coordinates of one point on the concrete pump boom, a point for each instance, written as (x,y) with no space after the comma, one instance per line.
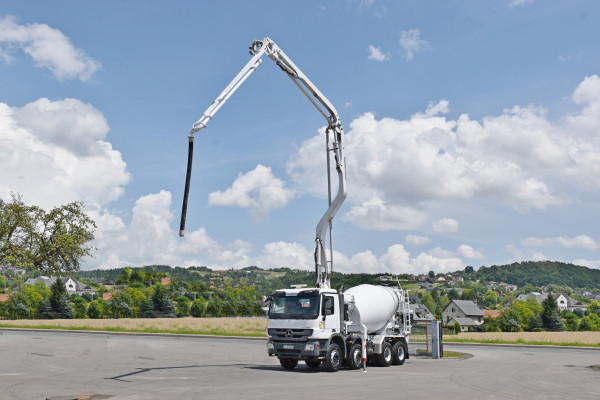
(334,143)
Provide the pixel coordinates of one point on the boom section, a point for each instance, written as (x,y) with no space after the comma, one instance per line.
(334,135)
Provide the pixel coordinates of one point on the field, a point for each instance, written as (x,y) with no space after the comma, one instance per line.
(257,326)
(201,326)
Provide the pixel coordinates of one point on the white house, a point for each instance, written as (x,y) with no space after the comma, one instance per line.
(73,286)
(564,302)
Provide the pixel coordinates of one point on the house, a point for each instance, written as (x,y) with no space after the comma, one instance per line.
(462,309)
(465,323)
(421,313)
(73,286)
(564,302)
(386,278)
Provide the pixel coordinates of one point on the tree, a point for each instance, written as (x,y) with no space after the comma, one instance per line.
(555,323)
(198,308)
(65,309)
(58,290)
(95,310)
(169,310)
(50,242)
(2,282)
(550,307)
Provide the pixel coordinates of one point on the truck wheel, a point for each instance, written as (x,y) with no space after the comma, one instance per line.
(385,358)
(399,352)
(313,363)
(333,360)
(354,359)
(288,363)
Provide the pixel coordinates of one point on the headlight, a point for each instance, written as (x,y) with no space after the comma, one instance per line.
(270,346)
(309,347)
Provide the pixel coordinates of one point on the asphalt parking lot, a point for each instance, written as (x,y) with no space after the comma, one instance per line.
(63,365)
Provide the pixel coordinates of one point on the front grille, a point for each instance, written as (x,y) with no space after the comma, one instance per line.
(289,335)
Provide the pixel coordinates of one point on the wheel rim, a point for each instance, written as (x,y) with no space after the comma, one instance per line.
(387,354)
(335,358)
(357,357)
(400,353)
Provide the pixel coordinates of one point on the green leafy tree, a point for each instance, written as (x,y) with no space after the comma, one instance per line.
(571,321)
(80,307)
(50,242)
(198,308)
(490,299)
(2,282)
(95,310)
(594,307)
(214,307)
(182,306)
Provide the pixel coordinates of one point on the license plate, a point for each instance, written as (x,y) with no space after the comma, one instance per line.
(288,346)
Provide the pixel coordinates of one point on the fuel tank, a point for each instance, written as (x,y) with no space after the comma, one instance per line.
(374,305)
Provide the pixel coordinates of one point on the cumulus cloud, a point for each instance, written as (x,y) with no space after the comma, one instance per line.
(519,158)
(55,152)
(520,2)
(466,251)
(446,225)
(417,240)
(48,47)
(258,190)
(375,53)
(578,242)
(412,43)
(374,214)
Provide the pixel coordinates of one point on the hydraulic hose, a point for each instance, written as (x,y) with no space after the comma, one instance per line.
(186,192)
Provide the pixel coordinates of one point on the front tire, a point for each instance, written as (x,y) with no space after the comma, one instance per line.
(399,352)
(313,363)
(333,360)
(288,363)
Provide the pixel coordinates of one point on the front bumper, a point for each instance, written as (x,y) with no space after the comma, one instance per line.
(297,350)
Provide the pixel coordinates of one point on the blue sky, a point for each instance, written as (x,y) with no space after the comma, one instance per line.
(471,129)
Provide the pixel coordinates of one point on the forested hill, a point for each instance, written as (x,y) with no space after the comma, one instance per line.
(540,273)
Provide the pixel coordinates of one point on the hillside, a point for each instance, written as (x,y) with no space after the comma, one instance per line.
(541,273)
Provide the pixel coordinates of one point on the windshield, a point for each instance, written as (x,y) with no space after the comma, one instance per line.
(294,307)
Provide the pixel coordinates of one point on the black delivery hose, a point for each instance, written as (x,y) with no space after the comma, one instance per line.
(186,192)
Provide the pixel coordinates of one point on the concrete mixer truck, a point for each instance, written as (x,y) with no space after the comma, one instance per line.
(321,325)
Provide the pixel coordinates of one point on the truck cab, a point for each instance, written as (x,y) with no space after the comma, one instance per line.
(303,323)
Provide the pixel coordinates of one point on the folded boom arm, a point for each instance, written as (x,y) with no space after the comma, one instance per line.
(334,138)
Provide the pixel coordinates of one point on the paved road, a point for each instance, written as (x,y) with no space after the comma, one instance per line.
(43,364)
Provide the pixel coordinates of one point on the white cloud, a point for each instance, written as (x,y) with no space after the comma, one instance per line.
(466,251)
(373,214)
(259,190)
(398,168)
(587,263)
(376,54)
(54,152)
(412,43)
(446,225)
(417,240)
(48,47)
(578,242)
(520,2)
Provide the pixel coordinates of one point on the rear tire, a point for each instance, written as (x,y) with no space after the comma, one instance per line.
(385,358)
(288,363)
(354,360)
(333,360)
(399,352)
